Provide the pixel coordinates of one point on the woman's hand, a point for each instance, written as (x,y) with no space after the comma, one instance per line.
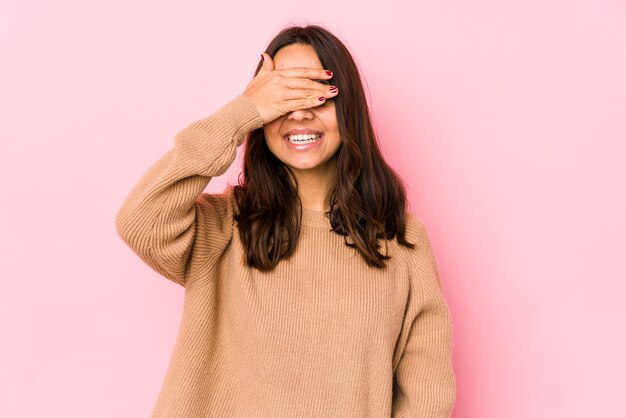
(277,92)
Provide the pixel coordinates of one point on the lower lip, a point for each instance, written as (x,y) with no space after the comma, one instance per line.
(303,147)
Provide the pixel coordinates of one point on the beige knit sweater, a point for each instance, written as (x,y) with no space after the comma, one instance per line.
(323,335)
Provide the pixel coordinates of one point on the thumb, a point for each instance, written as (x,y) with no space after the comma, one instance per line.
(268,64)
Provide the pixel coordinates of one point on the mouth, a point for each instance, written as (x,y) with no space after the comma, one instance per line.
(303,139)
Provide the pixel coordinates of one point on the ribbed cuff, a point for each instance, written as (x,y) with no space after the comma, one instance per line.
(242,115)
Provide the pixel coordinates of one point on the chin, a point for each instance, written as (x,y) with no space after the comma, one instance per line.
(297,166)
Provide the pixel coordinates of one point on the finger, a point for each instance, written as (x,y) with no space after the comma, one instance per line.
(306,72)
(294,94)
(306,88)
(305,83)
(305,103)
(268,64)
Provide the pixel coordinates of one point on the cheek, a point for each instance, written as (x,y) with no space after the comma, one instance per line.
(271,134)
(329,117)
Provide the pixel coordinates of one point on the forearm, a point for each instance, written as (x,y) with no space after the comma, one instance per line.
(158,218)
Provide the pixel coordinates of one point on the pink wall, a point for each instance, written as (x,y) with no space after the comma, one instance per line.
(506,119)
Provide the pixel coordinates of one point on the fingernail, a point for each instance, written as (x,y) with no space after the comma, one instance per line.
(322,99)
(262,57)
(330,73)
(333,89)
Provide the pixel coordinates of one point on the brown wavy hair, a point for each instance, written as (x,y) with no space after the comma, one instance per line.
(367,200)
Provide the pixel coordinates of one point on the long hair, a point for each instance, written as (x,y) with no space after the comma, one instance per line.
(367,200)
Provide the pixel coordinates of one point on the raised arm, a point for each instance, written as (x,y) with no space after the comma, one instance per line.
(160,216)
(424,381)
(162,213)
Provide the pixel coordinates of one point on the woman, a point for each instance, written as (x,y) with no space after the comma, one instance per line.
(291,308)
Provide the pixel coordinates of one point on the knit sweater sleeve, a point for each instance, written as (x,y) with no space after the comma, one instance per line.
(163,212)
(424,381)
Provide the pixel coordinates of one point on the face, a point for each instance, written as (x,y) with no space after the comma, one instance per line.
(318,158)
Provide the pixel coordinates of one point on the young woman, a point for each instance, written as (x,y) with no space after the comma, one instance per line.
(310,290)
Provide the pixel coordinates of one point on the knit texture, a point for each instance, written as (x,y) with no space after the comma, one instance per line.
(323,335)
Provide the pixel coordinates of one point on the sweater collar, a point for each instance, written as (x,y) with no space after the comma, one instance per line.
(315,218)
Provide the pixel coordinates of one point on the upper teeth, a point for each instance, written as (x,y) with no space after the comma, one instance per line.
(302,137)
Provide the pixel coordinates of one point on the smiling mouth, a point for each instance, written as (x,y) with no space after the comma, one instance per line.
(303,139)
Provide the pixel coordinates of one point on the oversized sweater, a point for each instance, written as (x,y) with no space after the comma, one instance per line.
(322,335)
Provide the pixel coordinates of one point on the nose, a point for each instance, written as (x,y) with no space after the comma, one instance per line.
(300,114)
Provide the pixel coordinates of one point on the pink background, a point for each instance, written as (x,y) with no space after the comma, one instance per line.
(507,120)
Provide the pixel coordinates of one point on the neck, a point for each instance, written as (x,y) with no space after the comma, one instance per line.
(314,186)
